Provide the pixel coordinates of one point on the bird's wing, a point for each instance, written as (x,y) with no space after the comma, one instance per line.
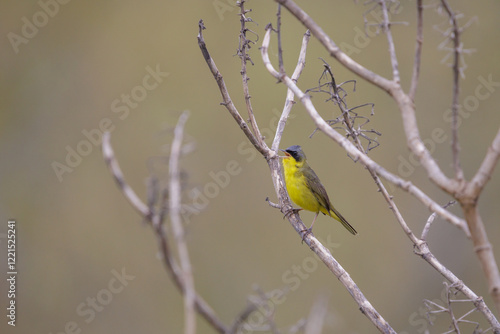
(319,192)
(314,184)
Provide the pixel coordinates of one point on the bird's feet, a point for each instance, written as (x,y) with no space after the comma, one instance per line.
(306,232)
(291,212)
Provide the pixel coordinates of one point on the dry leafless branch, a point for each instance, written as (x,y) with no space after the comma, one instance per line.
(455,37)
(289,102)
(436,308)
(227,102)
(418,50)
(284,203)
(155,219)
(351,149)
(316,318)
(178,229)
(421,247)
(465,192)
(243,48)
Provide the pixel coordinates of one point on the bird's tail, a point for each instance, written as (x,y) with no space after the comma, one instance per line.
(335,214)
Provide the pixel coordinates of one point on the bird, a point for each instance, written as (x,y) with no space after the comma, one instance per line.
(305,188)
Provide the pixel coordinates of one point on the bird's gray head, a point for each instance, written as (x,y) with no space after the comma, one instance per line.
(296,152)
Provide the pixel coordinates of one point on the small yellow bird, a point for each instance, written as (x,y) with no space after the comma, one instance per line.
(305,188)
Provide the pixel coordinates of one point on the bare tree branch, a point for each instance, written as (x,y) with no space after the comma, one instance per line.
(418,50)
(242,317)
(483,174)
(156,221)
(420,245)
(316,319)
(114,168)
(280,49)
(244,45)
(351,149)
(334,50)
(228,103)
(386,24)
(429,222)
(455,37)
(313,243)
(484,251)
(407,108)
(422,249)
(456,187)
(435,308)
(175,217)
(301,63)
(405,103)
(468,199)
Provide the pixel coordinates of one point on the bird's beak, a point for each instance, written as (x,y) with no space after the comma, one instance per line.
(286,154)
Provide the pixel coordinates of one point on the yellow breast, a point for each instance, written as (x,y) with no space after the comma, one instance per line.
(297,187)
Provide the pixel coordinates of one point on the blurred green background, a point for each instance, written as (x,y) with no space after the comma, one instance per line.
(76,231)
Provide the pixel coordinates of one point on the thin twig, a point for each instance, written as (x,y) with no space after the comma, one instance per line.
(228,103)
(334,50)
(114,168)
(175,217)
(244,45)
(455,37)
(317,315)
(454,321)
(280,49)
(430,220)
(156,221)
(418,50)
(272,204)
(386,24)
(427,226)
(301,63)
(242,317)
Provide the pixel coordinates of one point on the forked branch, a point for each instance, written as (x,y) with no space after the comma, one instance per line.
(466,193)
(375,169)
(155,220)
(334,50)
(284,203)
